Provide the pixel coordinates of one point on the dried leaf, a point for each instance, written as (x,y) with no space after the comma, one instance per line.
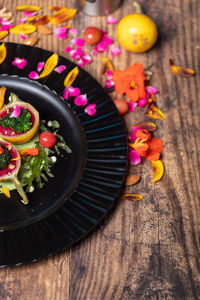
(62,15)
(155,113)
(23,28)
(50,64)
(147,125)
(43,29)
(132,179)
(2,96)
(31,41)
(148,74)
(158,170)
(3,53)
(29,8)
(3,34)
(5,191)
(107,65)
(71,76)
(184,72)
(132,197)
(42,20)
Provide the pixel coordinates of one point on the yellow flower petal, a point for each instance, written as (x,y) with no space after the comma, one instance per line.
(107,65)
(71,76)
(3,53)
(132,197)
(158,170)
(28,8)
(155,113)
(3,34)
(62,15)
(184,72)
(5,191)
(50,64)
(23,28)
(2,96)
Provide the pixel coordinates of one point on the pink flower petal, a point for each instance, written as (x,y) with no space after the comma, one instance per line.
(5,22)
(109,83)
(61,32)
(115,50)
(78,42)
(40,66)
(33,75)
(107,40)
(30,13)
(134,157)
(6,27)
(60,69)
(66,93)
(86,58)
(81,100)
(131,106)
(68,49)
(73,91)
(81,63)
(16,112)
(22,21)
(62,36)
(109,73)
(151,89)
(90,109)
(142,102)
(111,20)
(73,31)
(101,47)
(95,52)
(77,53)
(19,62)
(22,36)
(132,135)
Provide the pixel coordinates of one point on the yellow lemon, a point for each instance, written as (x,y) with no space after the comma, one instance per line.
(137,32)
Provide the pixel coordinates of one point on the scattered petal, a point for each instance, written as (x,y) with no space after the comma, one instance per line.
(25,28)
(73,91)
(86,58)
(132,179)
(101,47)
(132,197)
(29,14)
(42,20)
(81,100)
(33,75)
(107,40)
(68,49)
(19,62)
(109,83)
(111,20)
(158,170)
(133,131)
(81,63)
(31,41)
(107,67)
(91,109)
(22,36)
(60,69)
(50,65)
(22,21)
(151,89)
(77,53)
(6,27)
(16,112)
(2,96)
(62,15)
(78,42)
(5,191)
(184,72)
(40,66)
(131,106)
(28,8)
(150,126)
(61,32)
(3,34)
(115,50)
(66,93)
(71,76)
(134,157)
(142,102)
(73,31)
(155,113)
(3,52)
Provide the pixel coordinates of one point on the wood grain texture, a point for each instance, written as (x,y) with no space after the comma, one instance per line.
(149,249)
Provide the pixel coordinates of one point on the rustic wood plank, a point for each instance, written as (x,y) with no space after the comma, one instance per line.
(149,249)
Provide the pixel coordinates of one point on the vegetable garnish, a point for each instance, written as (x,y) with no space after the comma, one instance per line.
(130,82)
(184,72)
(50,64)
(3,52)
(29,151)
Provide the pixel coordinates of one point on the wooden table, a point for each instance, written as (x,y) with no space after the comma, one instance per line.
(149,249)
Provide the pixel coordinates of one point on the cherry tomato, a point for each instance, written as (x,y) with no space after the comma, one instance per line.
(121,105)
(47,139)
(92,35)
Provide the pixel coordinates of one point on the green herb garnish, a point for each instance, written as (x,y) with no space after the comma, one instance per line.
(19,124)
(5,157)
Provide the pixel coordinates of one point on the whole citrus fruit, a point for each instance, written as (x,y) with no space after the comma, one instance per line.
(137,32)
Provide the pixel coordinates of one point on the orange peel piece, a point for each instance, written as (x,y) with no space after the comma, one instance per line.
(3,53)
(50,64)
(62,15)
(158,170)
(71,76)
(132,197)
(5,191)
(2,96)
(177,70)
(29,8)
(23,28)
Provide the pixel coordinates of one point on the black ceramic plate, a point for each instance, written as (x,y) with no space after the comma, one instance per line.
(86,182)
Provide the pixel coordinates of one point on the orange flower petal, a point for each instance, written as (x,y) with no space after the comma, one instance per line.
(153,155)
(42,20)
(5,191)
(29,151)
(50,64)
(150,126)
(156,145)
(143,134)
(3,52)
(132,197)
(184,72)
(158,170)
(155,113)
(2,96)
(71,76)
